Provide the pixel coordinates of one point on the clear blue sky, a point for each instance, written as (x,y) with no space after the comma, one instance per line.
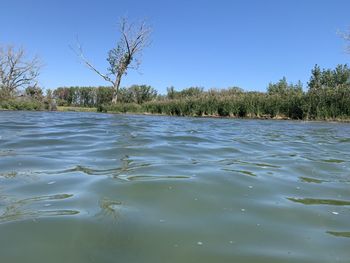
(213,44)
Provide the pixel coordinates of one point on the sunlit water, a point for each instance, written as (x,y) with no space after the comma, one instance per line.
(85,187)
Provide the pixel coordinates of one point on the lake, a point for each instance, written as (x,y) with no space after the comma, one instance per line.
(88,187)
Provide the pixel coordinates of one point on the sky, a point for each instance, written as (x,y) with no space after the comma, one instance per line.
(210,44)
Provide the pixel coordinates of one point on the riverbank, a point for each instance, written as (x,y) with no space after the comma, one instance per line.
(77,109)
(145,109)
(263,117)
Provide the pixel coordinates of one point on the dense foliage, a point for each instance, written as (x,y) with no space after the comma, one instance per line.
(327,97)
(83,96)
(22,104)
(32,98)
(95,97)
(329,93)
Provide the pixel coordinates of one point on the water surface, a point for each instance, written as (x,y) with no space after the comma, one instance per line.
(86,187)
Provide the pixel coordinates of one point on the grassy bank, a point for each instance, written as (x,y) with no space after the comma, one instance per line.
(326,99)
(252,106)
(77,109)
(190,108)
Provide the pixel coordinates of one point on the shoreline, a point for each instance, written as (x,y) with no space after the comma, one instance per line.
(276,118)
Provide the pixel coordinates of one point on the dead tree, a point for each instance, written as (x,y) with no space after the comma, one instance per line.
(125,55)
(16,71)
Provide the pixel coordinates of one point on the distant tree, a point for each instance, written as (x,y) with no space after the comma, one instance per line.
(315,79)
(328,93)
(328,78)
(61,95)
(341,75)
(137,94)
(234,90)
(280,87)
(143,93)
(34,92)
(191,92)
(50,102)
(133,39)
(171,93)
(283,88)
(104,95)
(17,71)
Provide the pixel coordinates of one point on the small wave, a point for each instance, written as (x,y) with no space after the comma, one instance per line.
(312,201)
(339,234)
(262,165)
(47,197)
(25,215)
(22,209)
(333,161)
(311,180)
(4,153)
(344,140)
(91,171)
(152,177)
(240,171)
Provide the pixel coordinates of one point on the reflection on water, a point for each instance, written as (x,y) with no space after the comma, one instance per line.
(8,174)
(110,207)
(339,234)
(312,201)
(311,180)
(28,208)
(333,161)
(240,171)
(85,187)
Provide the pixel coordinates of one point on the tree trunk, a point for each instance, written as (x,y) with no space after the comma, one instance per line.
(116,88)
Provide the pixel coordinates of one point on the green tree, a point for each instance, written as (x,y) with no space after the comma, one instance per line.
(34,92)
(137,94)
(191,92)
(171,93)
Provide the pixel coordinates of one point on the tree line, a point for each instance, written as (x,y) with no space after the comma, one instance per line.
(327,96)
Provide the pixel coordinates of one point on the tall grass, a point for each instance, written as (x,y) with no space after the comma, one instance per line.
(327,98)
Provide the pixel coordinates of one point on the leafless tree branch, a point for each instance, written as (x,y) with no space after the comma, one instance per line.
(16,71)
(79,52)
(126,54)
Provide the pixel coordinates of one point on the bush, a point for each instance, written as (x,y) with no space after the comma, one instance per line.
(123,108)
(22,104)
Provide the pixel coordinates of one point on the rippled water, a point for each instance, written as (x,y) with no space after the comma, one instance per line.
(85,187)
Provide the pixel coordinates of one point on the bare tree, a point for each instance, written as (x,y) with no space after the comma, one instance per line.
(16,71)
(126,54)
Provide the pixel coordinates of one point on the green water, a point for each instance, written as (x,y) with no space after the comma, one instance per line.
(85,187)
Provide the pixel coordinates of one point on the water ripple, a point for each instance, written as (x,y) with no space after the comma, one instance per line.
(154,189)
(339,234)
(24,209)
(313,201)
